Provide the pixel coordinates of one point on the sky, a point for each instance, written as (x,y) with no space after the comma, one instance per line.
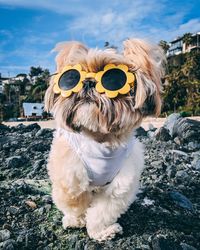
(29,30)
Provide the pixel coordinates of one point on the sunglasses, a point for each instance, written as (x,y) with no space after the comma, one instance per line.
(112,81)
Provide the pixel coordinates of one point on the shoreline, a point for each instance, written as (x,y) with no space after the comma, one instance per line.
(156,122)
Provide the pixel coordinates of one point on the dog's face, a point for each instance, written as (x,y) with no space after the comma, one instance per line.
(96,114)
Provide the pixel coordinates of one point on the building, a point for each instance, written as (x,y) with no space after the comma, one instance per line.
(178,46)
(33,110)
(2,79)
(12,81)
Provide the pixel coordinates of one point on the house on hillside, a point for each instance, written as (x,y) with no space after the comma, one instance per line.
(178,46)
(33,110)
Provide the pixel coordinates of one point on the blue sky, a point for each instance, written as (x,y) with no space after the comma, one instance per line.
(29,30)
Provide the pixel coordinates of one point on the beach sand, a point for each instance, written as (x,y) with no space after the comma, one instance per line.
(156,122)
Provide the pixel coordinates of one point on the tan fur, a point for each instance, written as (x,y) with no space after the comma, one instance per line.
(109,121)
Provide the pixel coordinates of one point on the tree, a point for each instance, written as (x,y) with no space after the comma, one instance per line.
(38,90)
(164,45)
(35,71)
(183,90)
(187,38)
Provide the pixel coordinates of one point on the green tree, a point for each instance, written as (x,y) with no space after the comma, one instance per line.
(38,90)
(35,71)
(187,38)
(182,93)
(164,45)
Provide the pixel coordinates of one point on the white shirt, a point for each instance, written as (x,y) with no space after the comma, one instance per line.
(101,162)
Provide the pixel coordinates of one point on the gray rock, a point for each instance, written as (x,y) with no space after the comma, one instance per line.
(7,245)
(4,235)
(140,132)
(182,175)
(170,121)
(161,242)
(44,132)
(187,130)
(193,145)
(150,134)
(177,141)
(185,246)
(196,164)
(181,200)
(47,199)
(162,134)
(13,210)
(15,161)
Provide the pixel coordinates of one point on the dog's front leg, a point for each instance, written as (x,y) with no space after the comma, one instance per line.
(108,205)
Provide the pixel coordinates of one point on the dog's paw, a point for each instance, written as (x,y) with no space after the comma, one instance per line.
(106,234)
(72,221)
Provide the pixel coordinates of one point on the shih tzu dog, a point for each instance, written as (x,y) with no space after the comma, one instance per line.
(98,98)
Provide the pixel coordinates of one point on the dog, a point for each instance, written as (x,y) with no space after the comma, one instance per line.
(98,98)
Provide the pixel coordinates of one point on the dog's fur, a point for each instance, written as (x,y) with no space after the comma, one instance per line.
(109,121)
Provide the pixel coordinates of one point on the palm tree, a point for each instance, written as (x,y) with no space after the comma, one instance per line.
(187,39)
(37,91)
(164,45)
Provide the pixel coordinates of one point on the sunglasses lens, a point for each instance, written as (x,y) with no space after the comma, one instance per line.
(113,79)
(69,79)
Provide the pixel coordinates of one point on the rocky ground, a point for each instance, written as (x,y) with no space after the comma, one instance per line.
(166,215)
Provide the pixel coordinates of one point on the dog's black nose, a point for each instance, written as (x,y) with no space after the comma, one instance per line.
(89,83)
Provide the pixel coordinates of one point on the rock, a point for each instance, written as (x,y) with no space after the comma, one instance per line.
(7,245)
(37,165)
(177,141)
(150,134)
(196,161)
(31,127)
(161,242)
(4,128)
(15,161)
(182,175)
(179,153)
(156,220)
(31,204)
(151,127)
(13,209)
(196,164)
(44,132)
(187,130)
(185,246)
(178,156)
(4,235)
(171,171)
(140,132)
(170,121)
(193,146)
(181,200)
(162,134)
(47,199)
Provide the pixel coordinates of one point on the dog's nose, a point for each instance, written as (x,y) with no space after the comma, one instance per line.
(89,83)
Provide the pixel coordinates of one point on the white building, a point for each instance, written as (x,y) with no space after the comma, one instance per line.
(177,46)
(33,109)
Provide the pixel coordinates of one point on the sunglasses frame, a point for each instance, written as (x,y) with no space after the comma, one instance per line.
(130,80)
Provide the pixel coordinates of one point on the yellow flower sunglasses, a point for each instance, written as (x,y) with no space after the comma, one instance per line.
(113,80)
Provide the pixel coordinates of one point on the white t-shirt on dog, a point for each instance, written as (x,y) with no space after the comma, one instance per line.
(101,162)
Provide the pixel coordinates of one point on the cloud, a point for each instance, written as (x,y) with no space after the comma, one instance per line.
(116,24)
(59,6)
(91,22)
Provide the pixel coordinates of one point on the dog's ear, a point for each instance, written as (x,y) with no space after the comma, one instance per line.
(68,54)
(148,60)
(67,51)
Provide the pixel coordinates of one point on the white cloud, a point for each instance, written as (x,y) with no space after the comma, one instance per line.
(94,22)
(59,6)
